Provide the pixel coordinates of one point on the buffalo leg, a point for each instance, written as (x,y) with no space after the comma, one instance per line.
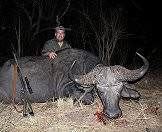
(86,97)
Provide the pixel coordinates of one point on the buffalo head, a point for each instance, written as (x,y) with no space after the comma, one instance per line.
(111,84)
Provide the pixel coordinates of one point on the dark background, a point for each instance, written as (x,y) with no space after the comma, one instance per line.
(35,19)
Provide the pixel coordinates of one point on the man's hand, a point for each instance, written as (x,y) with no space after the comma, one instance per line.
(52,55)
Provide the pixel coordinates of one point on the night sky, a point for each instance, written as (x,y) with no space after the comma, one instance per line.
(37,18)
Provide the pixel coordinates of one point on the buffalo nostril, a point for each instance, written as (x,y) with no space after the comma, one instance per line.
(113,115)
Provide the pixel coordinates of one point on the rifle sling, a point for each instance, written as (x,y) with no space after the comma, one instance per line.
(14,80)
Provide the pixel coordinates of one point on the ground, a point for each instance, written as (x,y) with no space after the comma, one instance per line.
(144,115)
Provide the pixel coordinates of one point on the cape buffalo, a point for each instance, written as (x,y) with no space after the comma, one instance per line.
(112,83)
(50,79)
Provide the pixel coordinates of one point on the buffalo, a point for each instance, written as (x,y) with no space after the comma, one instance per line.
(48,78)
(113,83)
(58,78)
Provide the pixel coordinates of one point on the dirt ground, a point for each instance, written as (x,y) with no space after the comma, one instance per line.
(144,115)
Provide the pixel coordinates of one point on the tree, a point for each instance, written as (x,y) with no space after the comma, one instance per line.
(34,17)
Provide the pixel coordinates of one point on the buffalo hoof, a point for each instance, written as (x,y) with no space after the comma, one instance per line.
(88,99)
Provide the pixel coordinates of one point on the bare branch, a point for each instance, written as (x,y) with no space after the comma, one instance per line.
(61,16)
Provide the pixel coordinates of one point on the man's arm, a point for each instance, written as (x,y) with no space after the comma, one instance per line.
(45,51)
(48,50)
(51,55)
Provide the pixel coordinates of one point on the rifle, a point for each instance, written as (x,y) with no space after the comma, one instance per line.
(27,108)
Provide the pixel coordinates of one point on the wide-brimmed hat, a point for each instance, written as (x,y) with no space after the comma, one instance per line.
(61,28)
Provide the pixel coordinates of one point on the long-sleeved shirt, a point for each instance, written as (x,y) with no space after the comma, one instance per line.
(53,46)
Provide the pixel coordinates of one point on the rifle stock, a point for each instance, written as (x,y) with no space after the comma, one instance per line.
(27,108)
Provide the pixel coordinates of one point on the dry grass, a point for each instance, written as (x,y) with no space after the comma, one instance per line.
(63,116)
(144,115)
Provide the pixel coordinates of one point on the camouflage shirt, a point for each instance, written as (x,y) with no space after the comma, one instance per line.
(53,46)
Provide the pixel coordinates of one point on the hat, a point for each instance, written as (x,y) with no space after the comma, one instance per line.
(61,28)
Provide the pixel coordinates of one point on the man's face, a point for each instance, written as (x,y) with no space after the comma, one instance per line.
(60,35)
